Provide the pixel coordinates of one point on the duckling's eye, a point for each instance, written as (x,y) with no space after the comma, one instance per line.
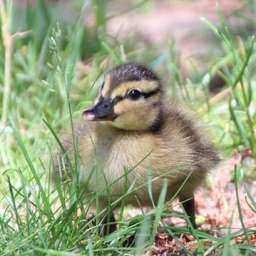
(134,94)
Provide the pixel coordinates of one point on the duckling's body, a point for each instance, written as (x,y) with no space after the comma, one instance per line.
(116,155)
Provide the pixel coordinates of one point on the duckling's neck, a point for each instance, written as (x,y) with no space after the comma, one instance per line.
(158,123)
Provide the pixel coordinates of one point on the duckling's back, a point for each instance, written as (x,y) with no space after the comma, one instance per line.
(189,143)
(183,124)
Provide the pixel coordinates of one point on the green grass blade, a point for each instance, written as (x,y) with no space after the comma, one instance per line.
(160,207)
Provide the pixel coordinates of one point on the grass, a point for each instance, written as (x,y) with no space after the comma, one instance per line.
(42,91)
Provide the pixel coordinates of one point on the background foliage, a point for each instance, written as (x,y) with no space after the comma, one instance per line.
(50,67)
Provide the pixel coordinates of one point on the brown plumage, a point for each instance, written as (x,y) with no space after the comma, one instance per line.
(134,130)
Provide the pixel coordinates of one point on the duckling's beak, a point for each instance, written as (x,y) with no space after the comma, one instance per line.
(102,111)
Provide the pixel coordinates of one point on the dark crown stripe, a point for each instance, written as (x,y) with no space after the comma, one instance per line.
(131,72)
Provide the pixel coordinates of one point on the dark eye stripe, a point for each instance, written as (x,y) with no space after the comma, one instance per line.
(117,99)
(149,94)
(144,94)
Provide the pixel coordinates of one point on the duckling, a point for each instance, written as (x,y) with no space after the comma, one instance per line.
(134,130)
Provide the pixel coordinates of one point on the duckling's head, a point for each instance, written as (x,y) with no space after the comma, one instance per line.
(130,98)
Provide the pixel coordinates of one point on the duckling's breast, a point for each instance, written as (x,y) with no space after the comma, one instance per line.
(118,163)
(114,162)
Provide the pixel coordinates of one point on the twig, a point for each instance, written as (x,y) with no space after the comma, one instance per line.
(226,93)
(239,206)
(8,41)
(8,44)
(21,34)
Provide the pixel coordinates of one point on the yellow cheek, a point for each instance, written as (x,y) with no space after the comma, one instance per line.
(135,115)
(126,106)
(141,121)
